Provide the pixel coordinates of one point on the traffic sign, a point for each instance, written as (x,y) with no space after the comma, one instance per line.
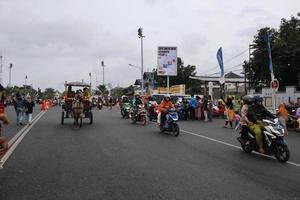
(275,84)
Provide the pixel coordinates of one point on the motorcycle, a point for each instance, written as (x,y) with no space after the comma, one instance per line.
(125,110)
(273,141)
(170,124)
(153,112)
(100,105)
(139,115)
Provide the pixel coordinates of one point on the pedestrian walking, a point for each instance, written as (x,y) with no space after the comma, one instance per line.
(193,105)
(229,112)
(29,109)
(19,108)
(205,108)
(198,110)
(237,119)
(209,109)
(283,116)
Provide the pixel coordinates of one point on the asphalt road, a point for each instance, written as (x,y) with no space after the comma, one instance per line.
(114,159)
(11,129)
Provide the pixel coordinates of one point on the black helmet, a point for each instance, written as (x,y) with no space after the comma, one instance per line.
(257,99)
(248,99)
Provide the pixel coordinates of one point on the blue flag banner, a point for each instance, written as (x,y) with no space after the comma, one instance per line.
(267,41)
(220,61)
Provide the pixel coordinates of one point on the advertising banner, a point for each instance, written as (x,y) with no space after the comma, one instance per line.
(167,61)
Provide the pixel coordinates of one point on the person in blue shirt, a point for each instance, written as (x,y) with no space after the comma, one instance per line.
(193,105)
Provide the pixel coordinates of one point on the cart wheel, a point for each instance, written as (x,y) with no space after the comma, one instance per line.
(91,118)
(62,117)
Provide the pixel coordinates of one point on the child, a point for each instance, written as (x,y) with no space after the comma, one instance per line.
(230,116)
(29,108)
(237,119)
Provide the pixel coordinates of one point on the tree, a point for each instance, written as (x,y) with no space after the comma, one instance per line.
(103,90)
(285,55)
(117,92)
(49,93)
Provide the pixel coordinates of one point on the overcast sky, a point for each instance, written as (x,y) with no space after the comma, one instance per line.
(51,41)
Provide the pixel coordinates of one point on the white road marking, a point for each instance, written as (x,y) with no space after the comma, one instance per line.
(234,146)
(11,141)
(228,144)
(17,141)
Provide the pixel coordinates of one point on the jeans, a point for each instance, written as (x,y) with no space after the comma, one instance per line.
(210,116)
(29,117)
(19,116)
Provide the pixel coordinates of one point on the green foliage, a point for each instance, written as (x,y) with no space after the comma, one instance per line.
(103,90)
(117,92)
(285,45)
(49,93)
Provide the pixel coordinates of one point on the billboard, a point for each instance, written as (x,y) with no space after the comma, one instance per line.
(167,61)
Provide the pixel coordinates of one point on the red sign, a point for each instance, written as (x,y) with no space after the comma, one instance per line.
(275,84)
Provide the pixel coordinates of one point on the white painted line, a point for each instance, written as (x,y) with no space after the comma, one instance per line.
(234,146)
(11,141)
(18,141)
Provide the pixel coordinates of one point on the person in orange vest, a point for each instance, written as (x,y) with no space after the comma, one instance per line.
(165,104)
(43,107)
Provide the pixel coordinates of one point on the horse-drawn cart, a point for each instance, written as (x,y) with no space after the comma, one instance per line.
(77,105)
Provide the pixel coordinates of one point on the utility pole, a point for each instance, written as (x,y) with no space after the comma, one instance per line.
(140,34)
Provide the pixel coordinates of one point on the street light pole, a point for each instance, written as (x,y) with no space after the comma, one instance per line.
(1,68)
(140,34)
(25,83)
(90,75)
(10,67)
(102,64)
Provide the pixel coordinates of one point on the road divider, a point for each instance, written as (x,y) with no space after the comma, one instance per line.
(16,140)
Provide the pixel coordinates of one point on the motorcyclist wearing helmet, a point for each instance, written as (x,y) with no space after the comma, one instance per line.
(256,113)
(124,99)
(136,102)
(165,104)
(247,101)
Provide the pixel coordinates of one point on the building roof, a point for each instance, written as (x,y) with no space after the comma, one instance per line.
(229,78)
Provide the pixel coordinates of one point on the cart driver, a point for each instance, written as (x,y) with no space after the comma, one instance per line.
(70,93)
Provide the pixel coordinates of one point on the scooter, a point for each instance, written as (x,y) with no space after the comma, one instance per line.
(139,115)
(100,105)
(170,124)
(273,141)
(125,111)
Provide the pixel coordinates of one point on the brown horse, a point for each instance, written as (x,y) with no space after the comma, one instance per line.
(77,107)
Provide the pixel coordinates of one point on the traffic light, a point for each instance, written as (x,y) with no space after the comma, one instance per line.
(140,32)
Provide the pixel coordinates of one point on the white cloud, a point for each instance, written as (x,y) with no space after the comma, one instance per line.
(56,40)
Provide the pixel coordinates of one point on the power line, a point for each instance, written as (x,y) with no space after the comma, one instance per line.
(229,60)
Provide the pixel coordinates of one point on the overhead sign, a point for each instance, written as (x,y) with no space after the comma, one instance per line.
(167,61)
